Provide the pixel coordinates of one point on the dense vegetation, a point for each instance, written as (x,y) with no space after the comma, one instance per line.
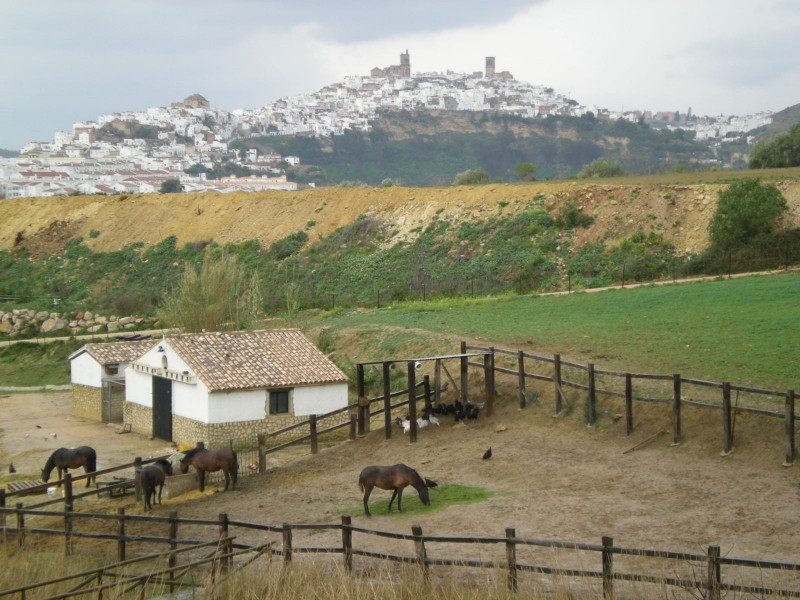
(521,251)
(781,151)
(422,148)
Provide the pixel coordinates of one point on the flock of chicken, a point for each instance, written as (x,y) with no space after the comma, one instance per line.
(458,410)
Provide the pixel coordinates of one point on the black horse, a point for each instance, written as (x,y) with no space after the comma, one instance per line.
(71,458)
(153,476)
(396,478)
(212,460)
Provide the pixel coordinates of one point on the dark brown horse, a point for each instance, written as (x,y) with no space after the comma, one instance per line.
(212,460)
(396,478)
(71,458)
(153,476)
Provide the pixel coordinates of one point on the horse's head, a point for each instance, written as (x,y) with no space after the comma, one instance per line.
(423,495)
(45,475)
(185,465)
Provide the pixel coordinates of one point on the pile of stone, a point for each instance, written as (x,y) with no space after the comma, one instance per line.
(22,322)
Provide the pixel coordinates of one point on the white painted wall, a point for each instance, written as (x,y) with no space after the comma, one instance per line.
(85,370)
(138,388)
(191,401)
(227,407)
(318,399)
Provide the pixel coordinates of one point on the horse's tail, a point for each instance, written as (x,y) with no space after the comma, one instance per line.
(91,461)
(361,481)
(235,466)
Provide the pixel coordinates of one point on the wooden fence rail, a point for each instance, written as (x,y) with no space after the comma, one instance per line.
(710,584)
(676,398)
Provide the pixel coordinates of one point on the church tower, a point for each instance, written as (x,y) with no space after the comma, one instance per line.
(405,64)
(489,67)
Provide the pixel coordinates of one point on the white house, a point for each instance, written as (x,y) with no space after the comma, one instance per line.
(223,386)
(97,373)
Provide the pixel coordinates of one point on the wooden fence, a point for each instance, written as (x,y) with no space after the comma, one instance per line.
(700,574)
(677,398)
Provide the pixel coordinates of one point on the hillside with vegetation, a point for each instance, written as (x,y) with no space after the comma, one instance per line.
(369,246)
(422,148)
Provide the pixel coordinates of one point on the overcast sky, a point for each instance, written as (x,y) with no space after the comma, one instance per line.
(65,61)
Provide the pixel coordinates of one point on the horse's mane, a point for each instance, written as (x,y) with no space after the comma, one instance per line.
(191,453)
(163,462)
(51,462)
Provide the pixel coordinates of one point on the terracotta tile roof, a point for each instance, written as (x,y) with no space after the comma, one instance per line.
(116,352)
(255,359)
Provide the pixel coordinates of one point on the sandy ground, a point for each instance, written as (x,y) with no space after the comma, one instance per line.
(553,478)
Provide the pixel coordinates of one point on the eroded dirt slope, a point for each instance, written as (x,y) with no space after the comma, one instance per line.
(44,225)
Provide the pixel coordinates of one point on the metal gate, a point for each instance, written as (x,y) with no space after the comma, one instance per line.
(162,408)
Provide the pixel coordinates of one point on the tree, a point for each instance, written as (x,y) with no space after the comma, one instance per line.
(472,177)
(781,151)
(217,296)
(171,186)
(601,167)
(745,210)
(525,171)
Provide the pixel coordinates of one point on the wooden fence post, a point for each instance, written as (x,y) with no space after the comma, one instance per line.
(262,452)
(412,399)
(608,568)
(727,422)
(312,426)
(488,381)
(347,543)
(353,427)
(20,525)
(3,537)
(387,401)
(437,381)
(173,534)
(223,542)
(714,574)
(287,543)
(68,508)
(676,409)
(426,386)
(521,379)
(137,477)
(419,546)
(120,534)
(557,381)
(362,427)
(789,426)
(592,416)
(511,558)
(628,404)
(464,365)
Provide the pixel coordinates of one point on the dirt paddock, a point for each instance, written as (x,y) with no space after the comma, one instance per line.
(553,478)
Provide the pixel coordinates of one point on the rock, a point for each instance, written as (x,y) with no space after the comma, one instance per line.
(113,326)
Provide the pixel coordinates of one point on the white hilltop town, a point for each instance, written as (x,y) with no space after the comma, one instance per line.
(136,152)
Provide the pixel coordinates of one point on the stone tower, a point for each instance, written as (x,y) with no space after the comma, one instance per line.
(490,66)
(405,64)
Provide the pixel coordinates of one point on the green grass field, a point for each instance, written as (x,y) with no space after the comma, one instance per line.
(745,330)
(441,497)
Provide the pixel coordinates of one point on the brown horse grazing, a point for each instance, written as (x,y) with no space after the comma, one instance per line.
(212,460)
(71,458)
(395,478)
(153,476)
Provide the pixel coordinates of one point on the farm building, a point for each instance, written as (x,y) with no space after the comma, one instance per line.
(97,373)
(229,386)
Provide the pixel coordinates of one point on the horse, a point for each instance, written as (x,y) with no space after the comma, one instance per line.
(395,478)
(212,460)
(153,476)
(71,458)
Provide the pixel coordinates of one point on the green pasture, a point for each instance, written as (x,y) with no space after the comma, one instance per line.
(441,497)
(746,330)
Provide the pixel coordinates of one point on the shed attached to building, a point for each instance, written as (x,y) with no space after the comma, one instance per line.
(97,374)
(224,386)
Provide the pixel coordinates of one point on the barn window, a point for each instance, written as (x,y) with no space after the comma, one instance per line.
(279,402)
(112,369)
